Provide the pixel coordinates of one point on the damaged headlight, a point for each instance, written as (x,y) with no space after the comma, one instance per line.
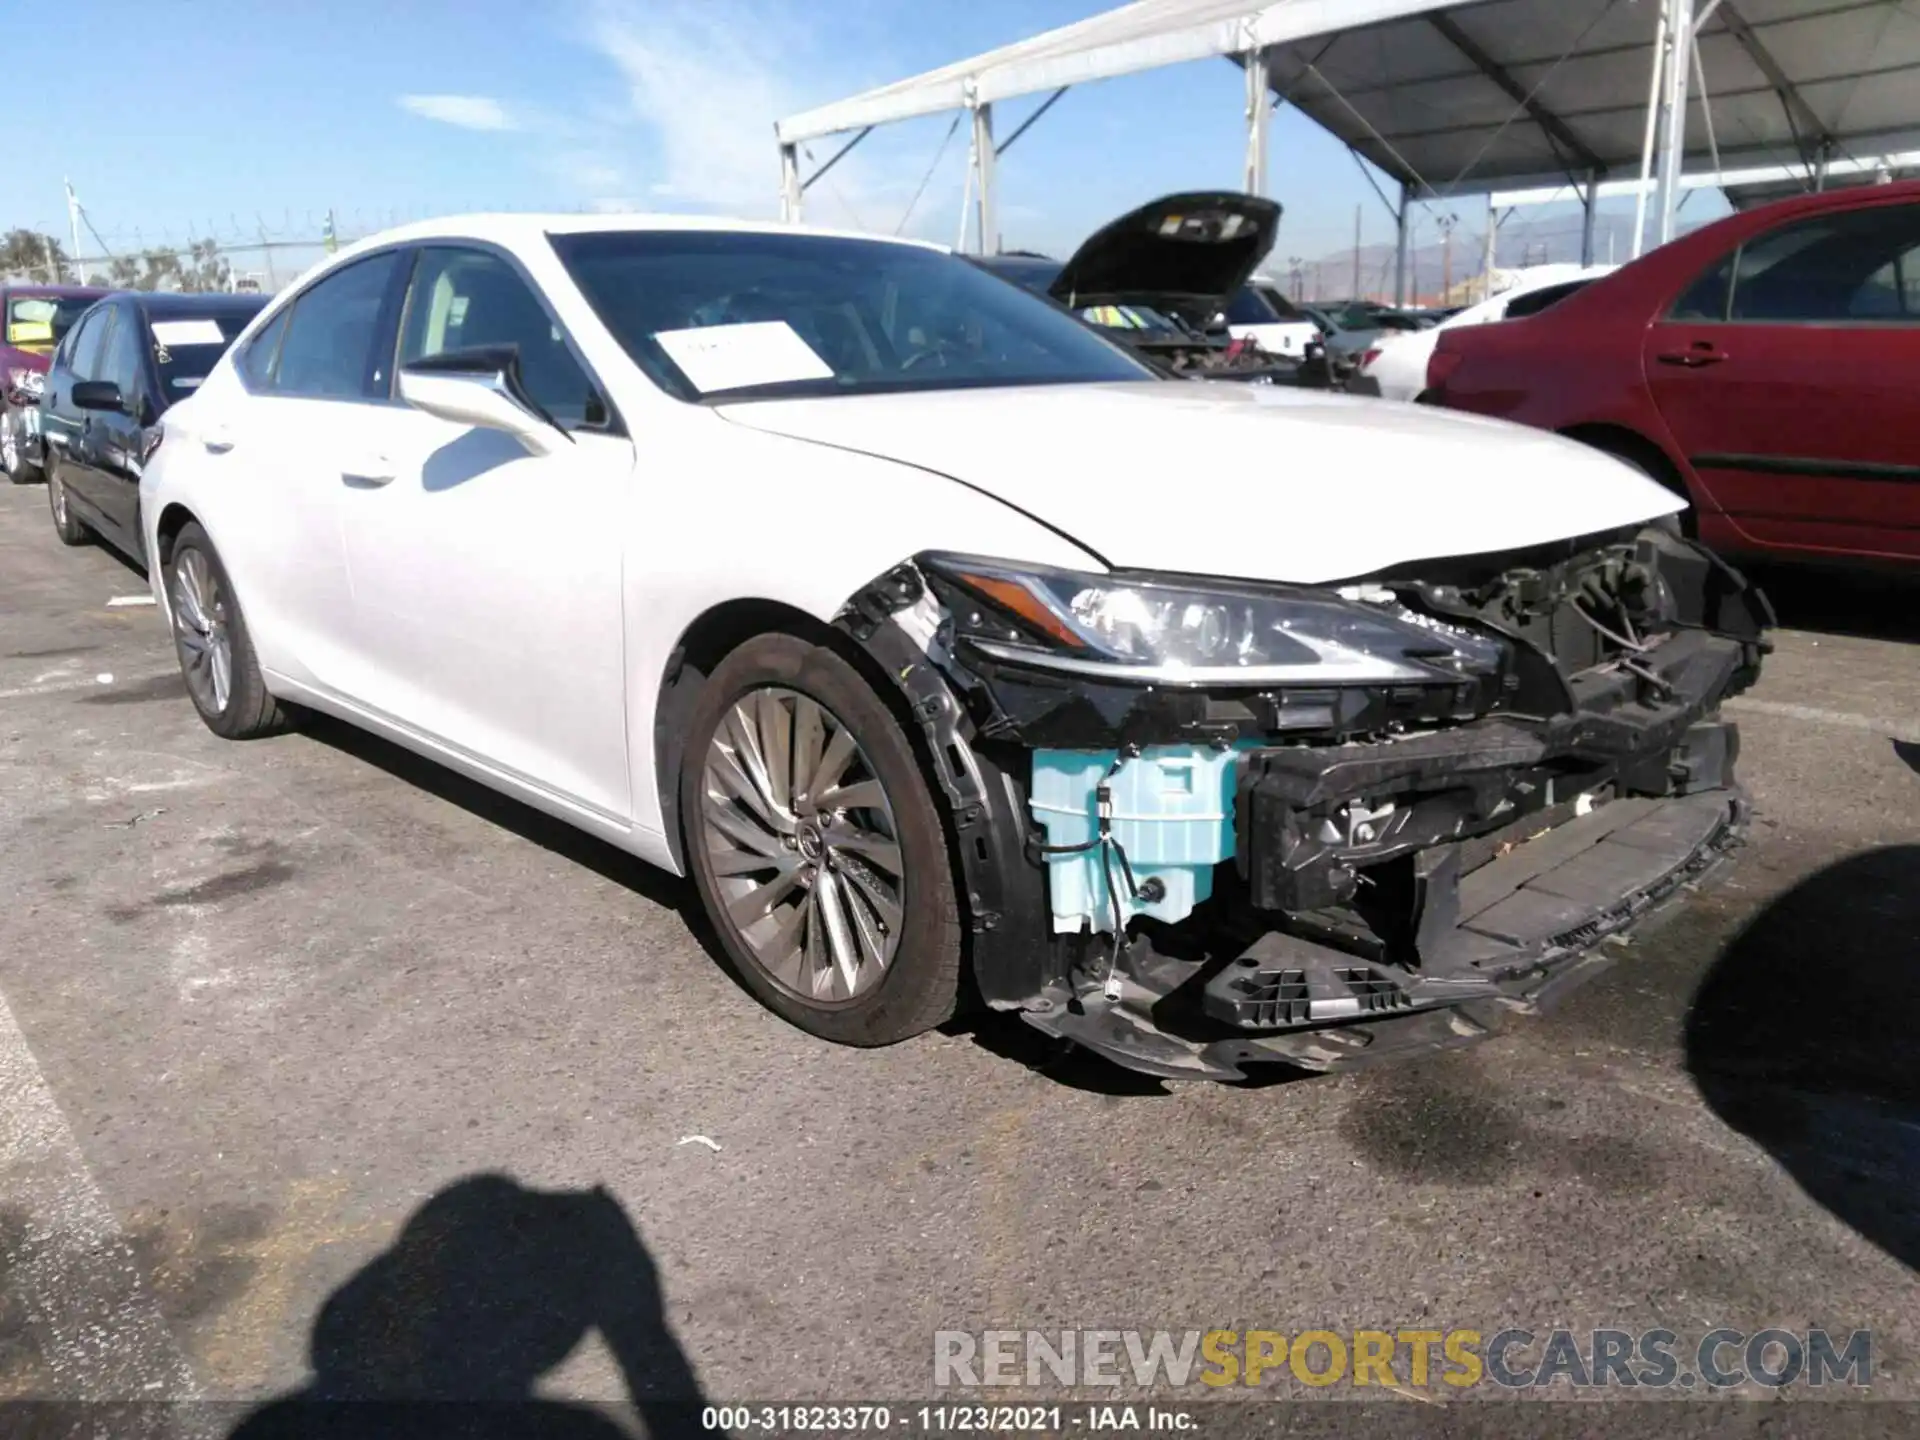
(1181,632)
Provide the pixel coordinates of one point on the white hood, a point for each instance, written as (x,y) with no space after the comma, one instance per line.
(1234,480)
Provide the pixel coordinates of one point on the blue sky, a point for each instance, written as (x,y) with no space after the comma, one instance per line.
(254,117)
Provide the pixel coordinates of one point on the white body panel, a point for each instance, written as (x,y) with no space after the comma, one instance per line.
(1400,366)
(513,614)
(1249,481)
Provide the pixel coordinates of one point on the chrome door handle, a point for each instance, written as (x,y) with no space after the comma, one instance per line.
(370,476)
(217,446)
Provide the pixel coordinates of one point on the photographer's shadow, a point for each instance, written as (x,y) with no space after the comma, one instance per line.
(1802,1037)
(488,1287)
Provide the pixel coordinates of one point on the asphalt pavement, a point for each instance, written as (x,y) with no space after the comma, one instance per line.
(319,1064)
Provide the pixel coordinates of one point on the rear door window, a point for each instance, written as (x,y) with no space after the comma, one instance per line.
(327,352)
(87,341)
(1850,268)
(120,361)
(255,363)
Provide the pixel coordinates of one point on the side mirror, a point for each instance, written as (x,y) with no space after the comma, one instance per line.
(98,395)
(481,387)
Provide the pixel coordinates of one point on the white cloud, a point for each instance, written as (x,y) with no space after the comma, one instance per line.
(707,80)
(469,112)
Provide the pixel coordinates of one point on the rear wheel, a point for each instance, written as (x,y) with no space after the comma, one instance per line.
(71,529)
(215,648)
(819,854)
(13,451)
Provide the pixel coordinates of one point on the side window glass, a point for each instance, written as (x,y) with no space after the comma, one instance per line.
(1706,298)
(256,361)
(469,299)
(1835,268)
(327,350)
(120,362)
(87,342)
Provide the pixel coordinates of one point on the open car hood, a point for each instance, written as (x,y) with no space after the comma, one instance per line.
(1181,254)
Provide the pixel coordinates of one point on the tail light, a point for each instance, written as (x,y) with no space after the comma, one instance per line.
(1440,369)
(1368,357)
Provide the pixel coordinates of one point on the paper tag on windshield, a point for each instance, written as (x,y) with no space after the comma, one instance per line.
(170,333)
(734,357)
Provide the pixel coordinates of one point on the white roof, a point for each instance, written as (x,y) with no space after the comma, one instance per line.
(1473,91)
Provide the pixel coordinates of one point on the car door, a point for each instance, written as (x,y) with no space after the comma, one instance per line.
(64,422)
(1787,377)
(279,447)
(110,439)
(487,580)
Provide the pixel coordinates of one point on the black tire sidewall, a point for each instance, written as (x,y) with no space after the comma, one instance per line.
(73,531)
(921,986)
(249,709)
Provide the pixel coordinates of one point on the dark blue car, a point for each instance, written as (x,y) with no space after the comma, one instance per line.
(122,365)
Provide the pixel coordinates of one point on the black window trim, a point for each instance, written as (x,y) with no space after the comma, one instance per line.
(615,424)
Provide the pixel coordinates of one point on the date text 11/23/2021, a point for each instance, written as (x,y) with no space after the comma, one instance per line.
(957,1419)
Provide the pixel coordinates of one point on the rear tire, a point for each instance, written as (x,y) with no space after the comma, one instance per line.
(215,648)
(71,529)
(840,917)
(13,452)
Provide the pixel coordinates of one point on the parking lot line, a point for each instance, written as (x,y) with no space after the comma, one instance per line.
(69,1266)
(89,682)
(1907,730)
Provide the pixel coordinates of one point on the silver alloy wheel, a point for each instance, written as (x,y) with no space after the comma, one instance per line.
(9,445)
(801,839)
(200,622)
(57,498)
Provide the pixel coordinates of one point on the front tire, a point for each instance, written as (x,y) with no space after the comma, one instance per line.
(836,905)
(215,648)
(71,529)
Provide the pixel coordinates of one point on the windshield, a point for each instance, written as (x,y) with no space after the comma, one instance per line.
(185,350)
(39,322)
(746,314)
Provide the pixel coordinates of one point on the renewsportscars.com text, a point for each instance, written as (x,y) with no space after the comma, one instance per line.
(1512,1358)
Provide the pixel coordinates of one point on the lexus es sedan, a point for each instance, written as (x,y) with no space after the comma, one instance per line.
(951,650)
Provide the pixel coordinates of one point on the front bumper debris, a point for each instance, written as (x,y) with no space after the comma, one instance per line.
(1395,875)
(1528,927)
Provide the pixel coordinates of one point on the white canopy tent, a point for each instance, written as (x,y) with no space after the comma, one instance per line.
(1533,98)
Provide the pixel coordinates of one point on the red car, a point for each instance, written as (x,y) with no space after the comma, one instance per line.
(1766,366)
(33,319)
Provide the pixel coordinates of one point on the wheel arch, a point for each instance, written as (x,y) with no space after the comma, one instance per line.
(1630,444)
(709,639)
(174,517)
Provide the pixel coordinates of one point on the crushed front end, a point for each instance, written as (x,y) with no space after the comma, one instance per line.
(1321,825)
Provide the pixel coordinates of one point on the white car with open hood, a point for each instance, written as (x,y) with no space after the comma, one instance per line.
(951,651)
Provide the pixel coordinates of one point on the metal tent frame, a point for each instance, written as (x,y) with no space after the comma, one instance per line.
(1519,100)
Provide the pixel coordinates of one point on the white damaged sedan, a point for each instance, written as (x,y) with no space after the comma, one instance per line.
(955,656)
